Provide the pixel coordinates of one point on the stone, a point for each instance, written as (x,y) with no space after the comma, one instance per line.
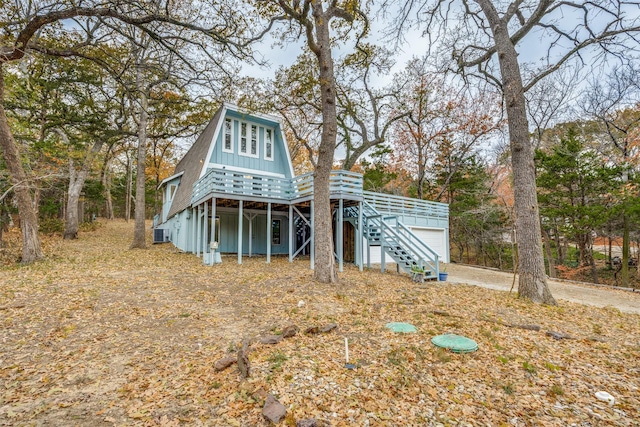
(312,330)
(328,328)
(273,410)
(289,331)
(309,422)
(558,335)
(244,366)
(271,339)
(224,363)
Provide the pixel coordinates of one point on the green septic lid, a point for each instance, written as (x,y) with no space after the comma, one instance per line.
(401,327)
(455,343)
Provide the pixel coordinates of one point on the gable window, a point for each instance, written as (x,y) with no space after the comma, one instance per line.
(249,139)
(254,140)
(172,191)
(243,138)
(268,144)
(227,145)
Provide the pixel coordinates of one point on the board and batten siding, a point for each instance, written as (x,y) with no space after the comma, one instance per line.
(229,234)
(234,158)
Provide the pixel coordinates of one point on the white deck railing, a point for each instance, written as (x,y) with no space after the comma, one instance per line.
(342,183)
(405,206)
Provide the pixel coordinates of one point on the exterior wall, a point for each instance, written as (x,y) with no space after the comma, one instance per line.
(229,234)
(436,239)
(279,164)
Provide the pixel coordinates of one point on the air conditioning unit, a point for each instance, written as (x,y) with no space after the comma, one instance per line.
(160,235)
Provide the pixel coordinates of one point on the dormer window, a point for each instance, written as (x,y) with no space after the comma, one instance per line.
(268,144)
(248,141)
(227,145)
(243,138)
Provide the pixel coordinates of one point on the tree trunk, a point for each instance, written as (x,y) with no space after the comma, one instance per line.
(76,183)
(129,188)
(532,283)
(139,235)
(325,269)
(31,248)
(624,273)
(106,184)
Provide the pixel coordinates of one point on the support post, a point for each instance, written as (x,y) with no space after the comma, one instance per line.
(194,221)
(269,231)
(313,240)
(383,266)
(198,228)
(240,216)
(205,235)
(291,221)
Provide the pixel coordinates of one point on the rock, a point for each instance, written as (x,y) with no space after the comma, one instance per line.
(271,339)
(273,410)
(243,362)
(224,363)
(312,330)
(328,328)
(289,331)
(558,335)
(309,422)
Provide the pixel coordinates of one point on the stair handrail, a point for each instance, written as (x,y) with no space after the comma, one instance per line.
(411,242)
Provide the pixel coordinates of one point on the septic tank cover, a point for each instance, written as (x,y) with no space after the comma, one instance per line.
(401,327)
(455,343)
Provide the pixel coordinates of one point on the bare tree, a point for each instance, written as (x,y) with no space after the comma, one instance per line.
(485,45)
(313,18)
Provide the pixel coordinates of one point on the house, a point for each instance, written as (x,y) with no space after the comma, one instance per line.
(235,192)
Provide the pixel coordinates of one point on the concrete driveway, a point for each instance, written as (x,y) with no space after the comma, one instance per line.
(599,296)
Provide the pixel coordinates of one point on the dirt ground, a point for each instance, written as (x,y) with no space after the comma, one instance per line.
(100,335)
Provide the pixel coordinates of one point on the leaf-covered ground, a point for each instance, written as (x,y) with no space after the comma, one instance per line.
(100,335)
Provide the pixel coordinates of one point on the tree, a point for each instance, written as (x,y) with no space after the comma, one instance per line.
(573,187)
(35,28)
(614,104)
(314,19)
(485,45)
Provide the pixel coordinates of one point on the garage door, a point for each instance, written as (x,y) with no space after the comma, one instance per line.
(436,239)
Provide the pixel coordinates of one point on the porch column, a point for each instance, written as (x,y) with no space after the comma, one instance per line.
(213,220)
(340,235)
(359,237)
(291,233)
(383,265)
(240,216)
(194,222)
(269,231)
(313,239)
(205,234)
(198,228)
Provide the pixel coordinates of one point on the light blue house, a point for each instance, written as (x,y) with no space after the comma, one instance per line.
(235,192)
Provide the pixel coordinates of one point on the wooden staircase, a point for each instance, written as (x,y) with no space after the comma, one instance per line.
(410,253)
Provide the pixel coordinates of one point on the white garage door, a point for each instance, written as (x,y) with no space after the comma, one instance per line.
(436,239)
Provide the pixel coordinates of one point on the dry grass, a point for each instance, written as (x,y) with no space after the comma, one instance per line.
(102,335)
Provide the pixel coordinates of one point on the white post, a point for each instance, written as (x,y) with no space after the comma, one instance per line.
(269,231)
(291,233)
(359,237)
(240,216)
(313,240)
(198,228)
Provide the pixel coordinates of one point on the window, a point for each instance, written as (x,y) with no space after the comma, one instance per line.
(268,144)
(275,232)
(243,138)
(228,136)
(254,140)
